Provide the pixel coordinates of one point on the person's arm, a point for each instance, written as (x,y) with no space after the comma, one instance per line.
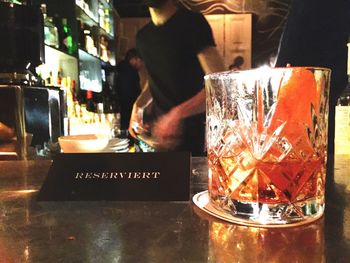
(144,98)
(168,127)
(211,61)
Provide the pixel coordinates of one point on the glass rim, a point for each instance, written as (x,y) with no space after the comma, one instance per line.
(229,73)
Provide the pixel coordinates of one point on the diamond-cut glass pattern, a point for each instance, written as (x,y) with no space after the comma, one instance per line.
(267,141)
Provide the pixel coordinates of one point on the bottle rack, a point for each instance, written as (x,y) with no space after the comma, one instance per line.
(91,31)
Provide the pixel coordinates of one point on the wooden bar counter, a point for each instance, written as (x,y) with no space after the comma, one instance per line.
(32,231)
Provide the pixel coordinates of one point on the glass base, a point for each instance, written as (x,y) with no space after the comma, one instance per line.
(261,215)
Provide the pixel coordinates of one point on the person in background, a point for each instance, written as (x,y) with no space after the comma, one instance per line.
(237,63)
(316,34)
(178,49)
(128,85)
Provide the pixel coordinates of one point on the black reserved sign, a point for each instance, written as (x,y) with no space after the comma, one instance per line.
(118,177)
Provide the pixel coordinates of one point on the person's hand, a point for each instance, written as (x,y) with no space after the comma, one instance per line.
(168,130)
(134,121)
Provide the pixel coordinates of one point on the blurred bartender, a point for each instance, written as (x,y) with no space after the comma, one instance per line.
(316,34)
(128,85)
(178,49)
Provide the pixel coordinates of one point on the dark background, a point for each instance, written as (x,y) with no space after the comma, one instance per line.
(269,17)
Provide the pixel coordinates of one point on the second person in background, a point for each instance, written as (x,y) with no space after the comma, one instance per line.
(128,85)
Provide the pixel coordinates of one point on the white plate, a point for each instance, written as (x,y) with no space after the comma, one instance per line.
(122,150)
(118,142)
(118,147)
(112,150)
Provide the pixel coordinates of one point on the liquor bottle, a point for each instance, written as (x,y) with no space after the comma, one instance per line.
(49,81)
(104,52)
(90,105)
(101,14)
(73,89)
(89,41)
(16,2)
(59,78)
(82,42)
(50,30)
(67,42)
(107,23)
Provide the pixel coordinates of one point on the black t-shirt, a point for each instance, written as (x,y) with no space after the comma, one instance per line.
(170,53)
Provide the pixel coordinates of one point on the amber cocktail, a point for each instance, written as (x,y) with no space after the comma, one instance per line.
(267,144)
